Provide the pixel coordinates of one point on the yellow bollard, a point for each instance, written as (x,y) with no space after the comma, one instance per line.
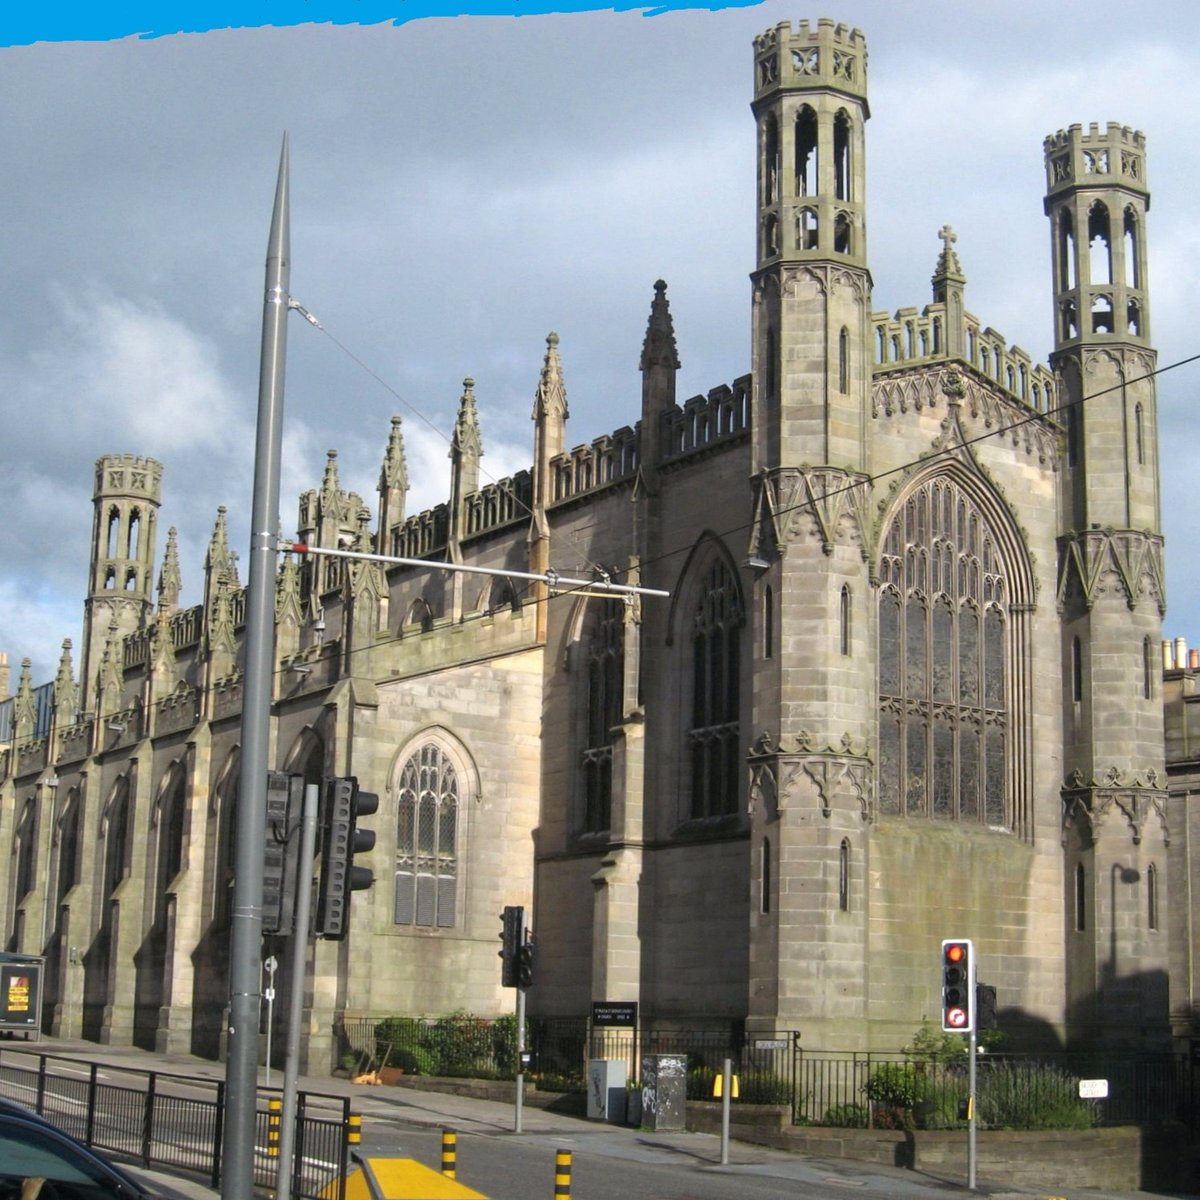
(562,1175)
(274,1121)
(354,1129)
(449,1153)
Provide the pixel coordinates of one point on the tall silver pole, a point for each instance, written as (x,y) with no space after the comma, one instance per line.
(291,1062)
(245,976)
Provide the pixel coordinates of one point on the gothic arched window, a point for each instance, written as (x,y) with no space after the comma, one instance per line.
(427,858)
(604,635)
(943,627)
(713,733)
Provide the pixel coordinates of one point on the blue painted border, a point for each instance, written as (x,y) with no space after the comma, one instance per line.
(99,22)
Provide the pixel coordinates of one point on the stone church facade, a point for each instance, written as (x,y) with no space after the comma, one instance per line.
(906,685)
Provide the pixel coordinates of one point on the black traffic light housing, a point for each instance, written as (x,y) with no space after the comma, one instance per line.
(285,803)
(512,935)
(342,803)
(525,965)
(958,985)
(985,1007)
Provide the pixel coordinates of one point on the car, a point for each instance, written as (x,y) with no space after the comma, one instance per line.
(40,1162)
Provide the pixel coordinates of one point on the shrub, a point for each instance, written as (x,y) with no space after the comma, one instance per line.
(1016,1095)
(764,1088)
(461,1044)
(852,1116)
(394,1035)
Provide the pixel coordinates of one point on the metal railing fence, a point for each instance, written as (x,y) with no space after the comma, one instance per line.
(821,1087)
(160,1119)
(1013,1090)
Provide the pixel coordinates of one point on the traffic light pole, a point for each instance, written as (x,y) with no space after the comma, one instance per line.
(291,1062)
(972,1048)
(520,1100)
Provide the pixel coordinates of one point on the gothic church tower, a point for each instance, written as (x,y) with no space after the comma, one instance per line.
(813,681)
(1110,582)
(125,504)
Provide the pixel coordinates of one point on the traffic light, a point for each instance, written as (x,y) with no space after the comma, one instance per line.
(985,1007)
(342,803)
(958,986)
(512,932)
(525,965)
(285,802)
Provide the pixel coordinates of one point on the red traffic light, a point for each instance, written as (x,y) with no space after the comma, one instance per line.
(958,985)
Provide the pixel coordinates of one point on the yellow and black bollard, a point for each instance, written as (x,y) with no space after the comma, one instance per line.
(562,1175)
(274,1122)
(449,1153)
(354,1129)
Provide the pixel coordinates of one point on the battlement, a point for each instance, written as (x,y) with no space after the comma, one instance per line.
(1113,156)
(827,30)
(130,474)
(1114,134)
(832,55)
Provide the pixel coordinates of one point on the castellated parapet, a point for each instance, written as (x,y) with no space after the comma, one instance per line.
(129,475)
(1116,155)
(832,55)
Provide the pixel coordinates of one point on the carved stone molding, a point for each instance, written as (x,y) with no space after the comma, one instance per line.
(819,503)
(988,410)
(1091,809)
(841,776)
(1101,562)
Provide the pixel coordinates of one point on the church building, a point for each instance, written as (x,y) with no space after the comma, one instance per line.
(907,684)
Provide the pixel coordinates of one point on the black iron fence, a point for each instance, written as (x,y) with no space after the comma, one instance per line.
(821,1088)
(1012,1091)
(160,1119)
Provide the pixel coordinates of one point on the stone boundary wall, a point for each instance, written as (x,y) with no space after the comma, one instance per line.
(1122,1157)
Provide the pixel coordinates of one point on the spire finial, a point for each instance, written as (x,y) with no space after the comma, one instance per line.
(659,349)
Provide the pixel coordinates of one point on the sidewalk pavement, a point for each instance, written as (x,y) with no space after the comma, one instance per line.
(466,1114)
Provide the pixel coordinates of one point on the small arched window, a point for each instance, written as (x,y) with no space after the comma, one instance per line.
(1139,433)
(1147,669)
(1152,917)
(844,615)
(806,152)
(1080,899)
(1076,670)
(768,642)
(844,361)
(842,176)
(765,901)
(844,876)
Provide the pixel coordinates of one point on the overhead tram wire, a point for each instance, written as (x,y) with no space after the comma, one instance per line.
(391,391)
(1020,423)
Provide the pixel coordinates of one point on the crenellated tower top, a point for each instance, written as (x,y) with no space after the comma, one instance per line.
(833,55)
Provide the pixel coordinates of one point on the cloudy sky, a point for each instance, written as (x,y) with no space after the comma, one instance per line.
(462,186)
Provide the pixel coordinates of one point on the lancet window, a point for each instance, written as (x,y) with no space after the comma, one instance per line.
(943,629)
(604,634)
(427,856)
(713,736)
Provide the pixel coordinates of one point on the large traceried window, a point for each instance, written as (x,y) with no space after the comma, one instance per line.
(944,610)
(427,861)
(713,734)
(604,634)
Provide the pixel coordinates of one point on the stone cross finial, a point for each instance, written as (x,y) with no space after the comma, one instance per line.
(948,236)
